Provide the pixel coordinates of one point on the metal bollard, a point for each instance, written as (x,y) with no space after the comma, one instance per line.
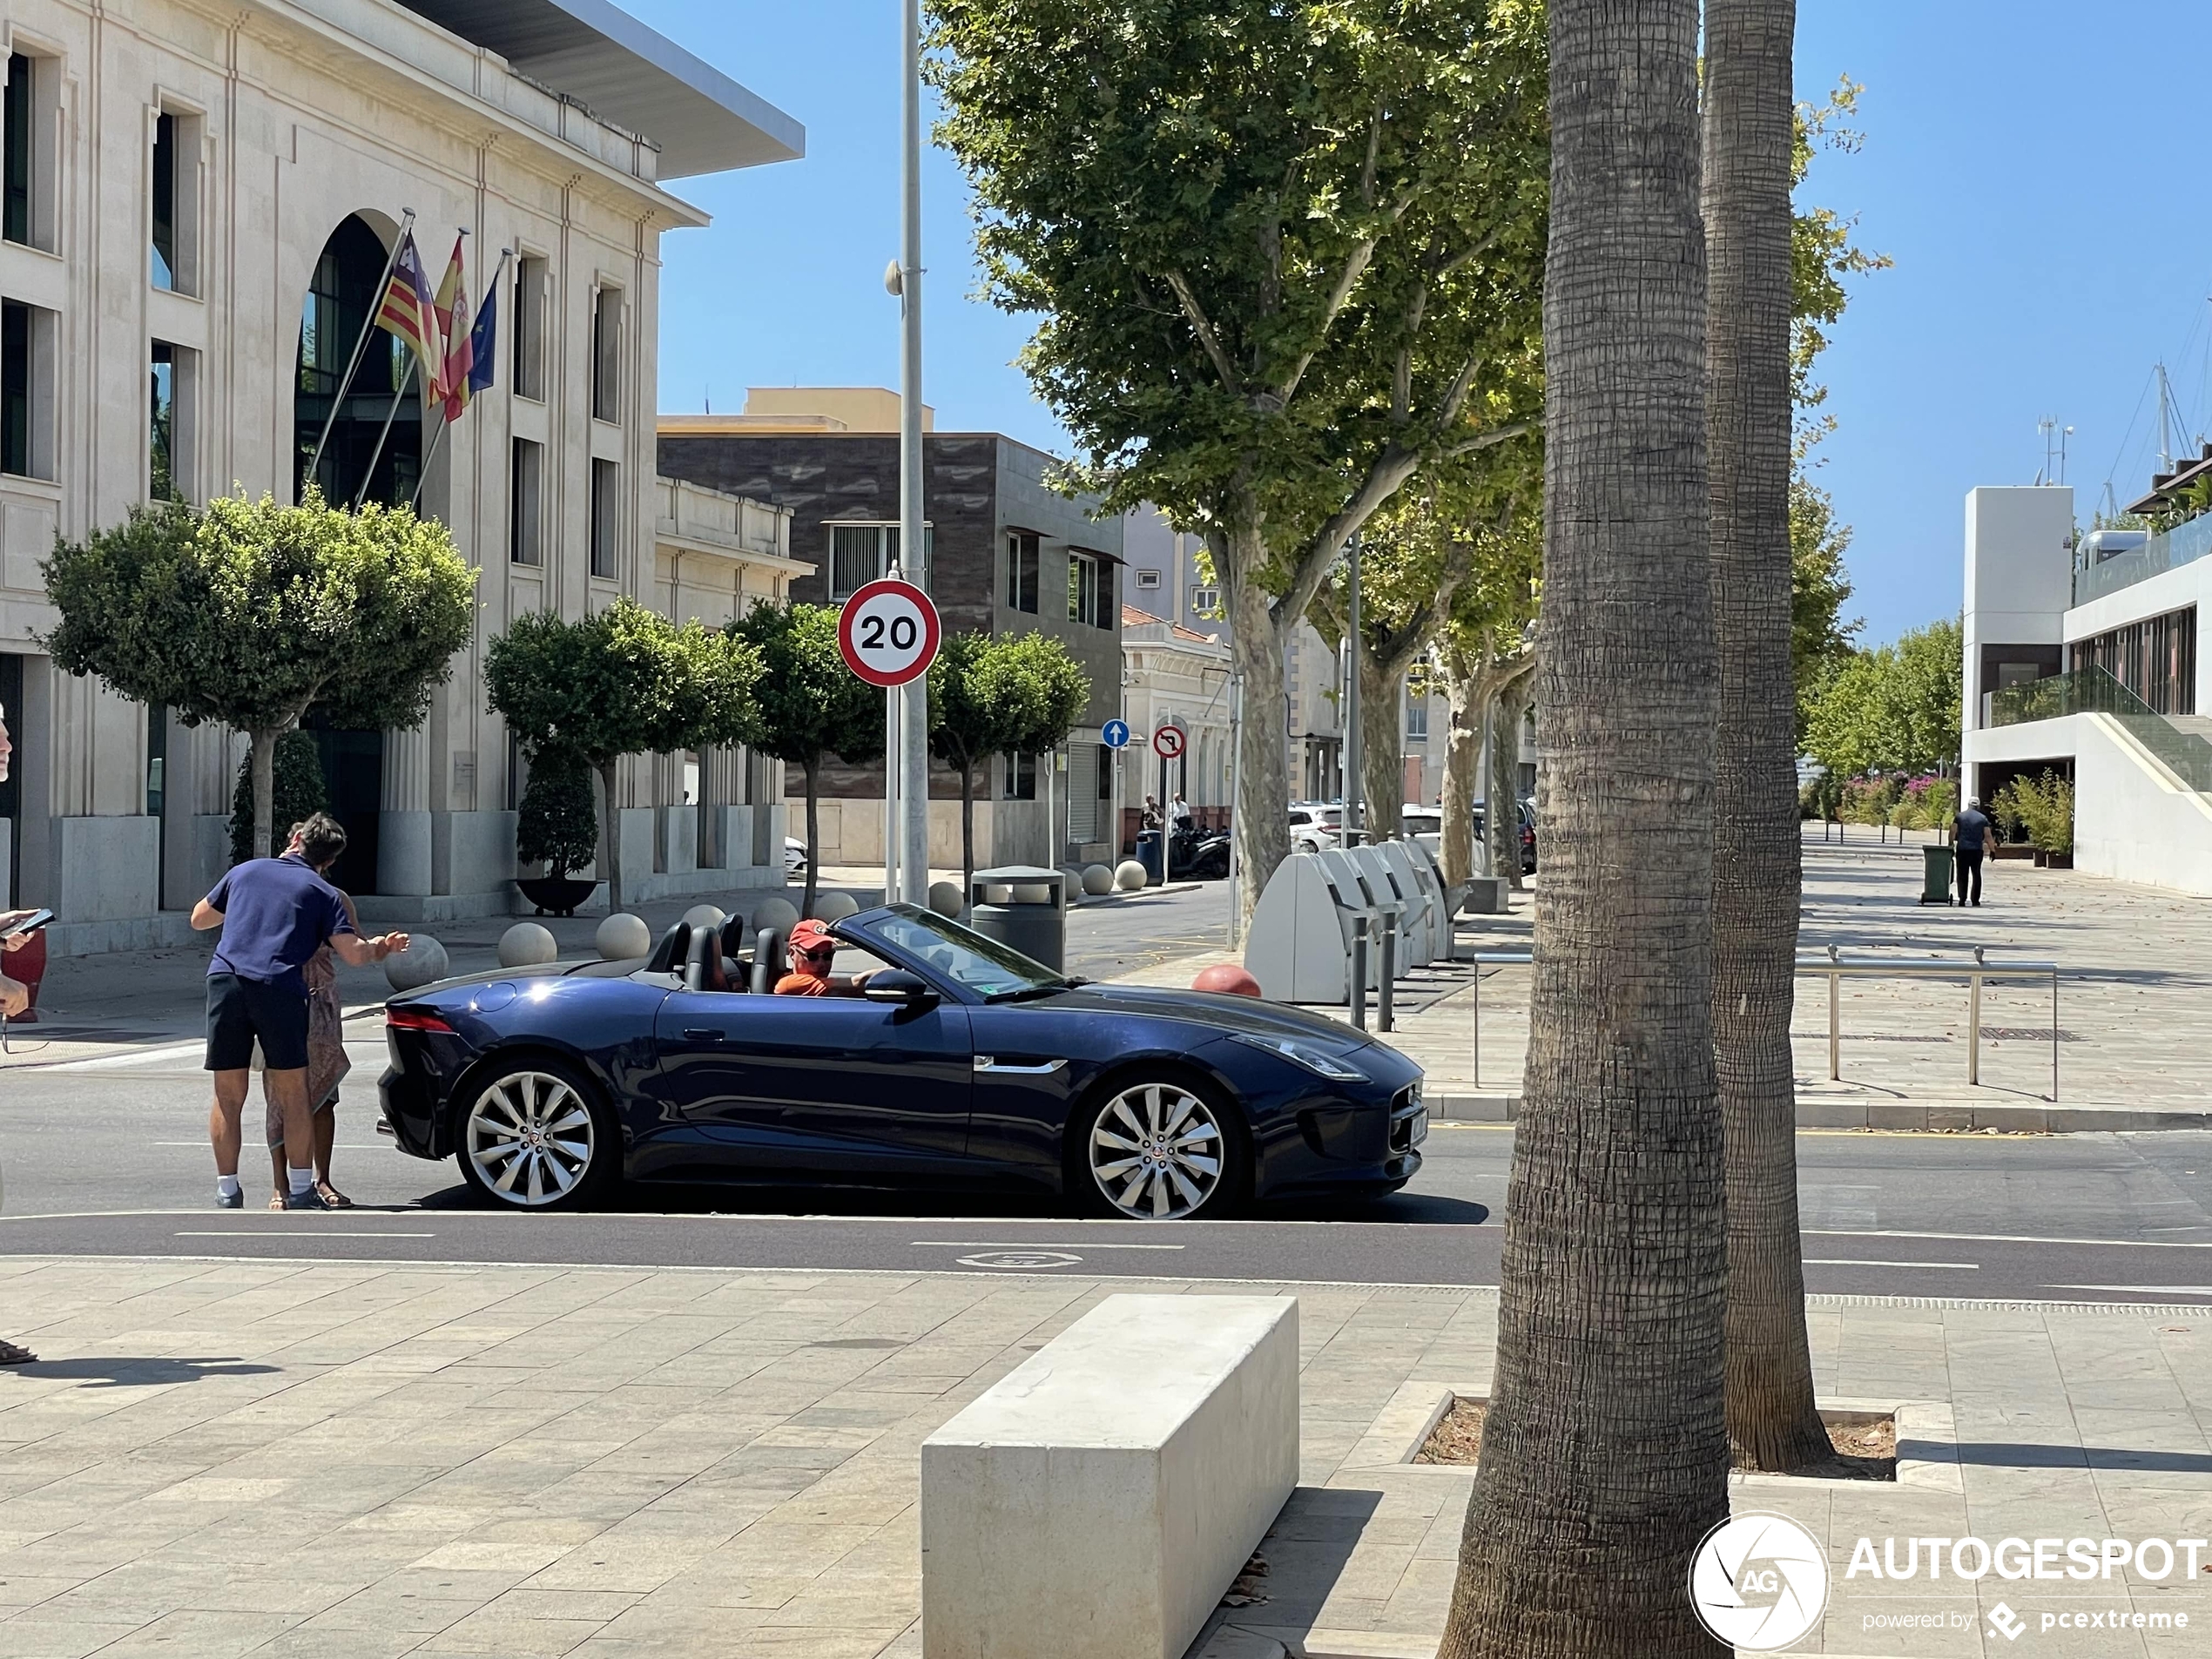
(1357,1001)
(1383,1020)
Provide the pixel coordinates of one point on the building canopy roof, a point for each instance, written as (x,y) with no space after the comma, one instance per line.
(619,69)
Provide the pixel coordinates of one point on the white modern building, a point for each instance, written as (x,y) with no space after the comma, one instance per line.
(2082,659)
(199,203)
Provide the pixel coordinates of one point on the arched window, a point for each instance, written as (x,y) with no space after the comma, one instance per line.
(341,296)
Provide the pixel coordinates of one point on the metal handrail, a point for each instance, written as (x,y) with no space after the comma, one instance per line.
(1835,968)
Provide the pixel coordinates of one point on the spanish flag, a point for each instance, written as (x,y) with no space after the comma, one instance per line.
(406,311)
(452,306)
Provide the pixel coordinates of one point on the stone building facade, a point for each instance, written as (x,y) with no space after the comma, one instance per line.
(198,202)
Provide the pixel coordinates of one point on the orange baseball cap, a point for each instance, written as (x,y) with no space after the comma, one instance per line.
(811,934)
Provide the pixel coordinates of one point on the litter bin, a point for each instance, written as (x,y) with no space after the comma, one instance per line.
(1038,928)
(1151,853)
(1935,886)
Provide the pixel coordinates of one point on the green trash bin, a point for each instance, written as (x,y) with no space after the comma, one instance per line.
(1935,886)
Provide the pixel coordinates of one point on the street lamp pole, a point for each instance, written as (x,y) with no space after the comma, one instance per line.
(1353,758)
(913,551)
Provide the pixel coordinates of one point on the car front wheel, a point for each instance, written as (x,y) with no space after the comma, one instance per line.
(535,1138)
(1156,1149)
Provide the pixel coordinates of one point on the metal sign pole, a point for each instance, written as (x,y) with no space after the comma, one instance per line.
(891,717)
(1235,785)
(913,551)
(1354,759)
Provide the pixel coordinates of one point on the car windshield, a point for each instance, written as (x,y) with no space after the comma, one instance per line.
(964,956)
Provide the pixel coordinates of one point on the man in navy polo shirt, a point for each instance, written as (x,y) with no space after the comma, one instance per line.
(275,913)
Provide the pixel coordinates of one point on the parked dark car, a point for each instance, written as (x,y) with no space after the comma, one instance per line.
(1527,814)
(965,1063)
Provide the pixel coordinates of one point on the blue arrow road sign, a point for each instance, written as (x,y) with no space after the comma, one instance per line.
(1115,733)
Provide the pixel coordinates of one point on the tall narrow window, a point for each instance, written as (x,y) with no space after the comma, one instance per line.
(161,426)
(606,354)
(524,484)
(165,201)
(606,521)
(14,213)
(1021,776)
(1021,571)
(15,389)
(1090,590)
(1416,716)
(529,327)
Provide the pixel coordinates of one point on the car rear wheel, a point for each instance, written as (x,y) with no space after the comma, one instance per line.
(536,1138)
(1156,1149)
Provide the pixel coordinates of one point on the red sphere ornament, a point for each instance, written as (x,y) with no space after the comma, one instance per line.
(1226,976)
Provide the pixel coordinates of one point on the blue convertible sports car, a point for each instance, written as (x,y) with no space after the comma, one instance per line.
(965,1063)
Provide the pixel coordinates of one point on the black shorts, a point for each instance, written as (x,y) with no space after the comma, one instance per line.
(239,1010)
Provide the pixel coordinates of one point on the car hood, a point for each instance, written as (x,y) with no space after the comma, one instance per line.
(1212,1011)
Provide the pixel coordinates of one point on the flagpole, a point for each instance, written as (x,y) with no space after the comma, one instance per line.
(491,291)
(360,341)
(385,431)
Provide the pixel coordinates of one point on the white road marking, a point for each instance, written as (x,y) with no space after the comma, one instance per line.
(994,1244)
(320,1232)
(2144,1290)
(145,1057)
(1838,1261)
(2010,1239)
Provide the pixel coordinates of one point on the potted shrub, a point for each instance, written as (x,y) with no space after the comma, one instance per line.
(558,827)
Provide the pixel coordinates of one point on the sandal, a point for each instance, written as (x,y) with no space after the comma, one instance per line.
(332,1198)
(276,1201)
(12,1355)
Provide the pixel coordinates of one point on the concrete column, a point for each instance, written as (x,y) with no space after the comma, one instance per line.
(404,849)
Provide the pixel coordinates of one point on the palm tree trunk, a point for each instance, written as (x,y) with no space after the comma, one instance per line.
(1604,1452)
(1756,846)
(814,839)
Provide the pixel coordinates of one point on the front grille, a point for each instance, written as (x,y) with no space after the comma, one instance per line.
(1407,1118)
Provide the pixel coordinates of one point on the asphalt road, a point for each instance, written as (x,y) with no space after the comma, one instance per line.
(111,1159)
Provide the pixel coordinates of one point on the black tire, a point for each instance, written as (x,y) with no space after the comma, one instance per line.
(520,1144)
(1150,1155)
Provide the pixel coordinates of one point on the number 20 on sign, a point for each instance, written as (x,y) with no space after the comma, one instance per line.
(889,633)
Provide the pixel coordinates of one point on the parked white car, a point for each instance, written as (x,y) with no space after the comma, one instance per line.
(794,856)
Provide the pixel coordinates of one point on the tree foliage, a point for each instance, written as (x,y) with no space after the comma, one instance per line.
(299,791)
(810,705)
(558,824)
(1893,708)
(1822,255)
(1820,640)
(251,612)
(624,680)
(1013,694)
(1284,258)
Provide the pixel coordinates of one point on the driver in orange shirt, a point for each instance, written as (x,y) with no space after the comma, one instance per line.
(810,952)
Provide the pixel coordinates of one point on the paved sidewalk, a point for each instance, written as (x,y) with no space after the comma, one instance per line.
(224,1458)
(2135,1022)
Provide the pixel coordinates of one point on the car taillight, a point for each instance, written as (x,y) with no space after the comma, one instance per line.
(405,1019)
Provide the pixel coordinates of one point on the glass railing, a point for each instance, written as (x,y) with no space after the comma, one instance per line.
(2093,691)
(2166,550)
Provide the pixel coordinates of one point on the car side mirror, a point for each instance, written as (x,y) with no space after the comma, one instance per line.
(896,985)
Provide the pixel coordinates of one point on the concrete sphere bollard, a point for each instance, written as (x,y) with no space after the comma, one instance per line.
(1032,893)
(1099,880)
(527,944)
(1228,977)
(706,916)
(622,936)
(834,906)
(779,913)
(1128,875)
(944,897)
(998,893)
(423,962)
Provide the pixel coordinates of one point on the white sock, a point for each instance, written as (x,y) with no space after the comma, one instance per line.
(301,1179)
(226,1186)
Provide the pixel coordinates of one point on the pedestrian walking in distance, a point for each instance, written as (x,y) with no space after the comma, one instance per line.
(327,1067)
(275,914)
(1971,831)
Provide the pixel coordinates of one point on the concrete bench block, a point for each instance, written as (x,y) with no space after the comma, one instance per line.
(1098,1503)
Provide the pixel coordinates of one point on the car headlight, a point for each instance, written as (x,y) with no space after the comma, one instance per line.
(1320,1061)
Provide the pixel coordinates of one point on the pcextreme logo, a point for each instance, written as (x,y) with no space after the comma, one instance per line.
(1759,1581)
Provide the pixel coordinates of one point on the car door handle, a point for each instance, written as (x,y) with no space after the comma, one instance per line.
(703,1033)
(988,1062)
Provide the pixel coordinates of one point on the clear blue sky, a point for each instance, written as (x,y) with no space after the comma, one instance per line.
(2029,167)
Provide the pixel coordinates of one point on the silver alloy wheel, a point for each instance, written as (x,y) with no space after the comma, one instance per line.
(530,1139)
(1155,1152)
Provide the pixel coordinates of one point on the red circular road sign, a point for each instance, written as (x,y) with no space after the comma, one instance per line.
(1167,741)
(888,632)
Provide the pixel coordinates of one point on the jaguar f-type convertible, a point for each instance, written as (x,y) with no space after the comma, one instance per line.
(960,1063)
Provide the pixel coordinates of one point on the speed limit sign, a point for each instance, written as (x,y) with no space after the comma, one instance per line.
(1167,742)
(888,632)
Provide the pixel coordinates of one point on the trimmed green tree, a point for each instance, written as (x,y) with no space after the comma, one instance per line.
(622,681)
(1015,694)
(558,825)
(811,706)
(250,612)
(299,791)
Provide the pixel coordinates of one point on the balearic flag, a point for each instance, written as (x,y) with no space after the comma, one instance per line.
(406,311)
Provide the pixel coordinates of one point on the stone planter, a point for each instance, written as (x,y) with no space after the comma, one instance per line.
(555,895)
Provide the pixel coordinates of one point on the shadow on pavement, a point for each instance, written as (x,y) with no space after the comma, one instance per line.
(124,1371)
